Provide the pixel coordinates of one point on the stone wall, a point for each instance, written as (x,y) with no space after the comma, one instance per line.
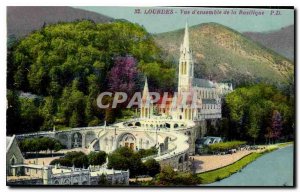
(25,182)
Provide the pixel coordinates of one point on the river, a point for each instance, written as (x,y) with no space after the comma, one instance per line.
(272,169)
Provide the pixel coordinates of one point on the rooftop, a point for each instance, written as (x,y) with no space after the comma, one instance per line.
(203,83)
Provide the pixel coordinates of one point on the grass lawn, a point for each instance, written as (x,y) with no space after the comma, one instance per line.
(285,144)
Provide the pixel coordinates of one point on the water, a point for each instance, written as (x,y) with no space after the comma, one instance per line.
(272,169)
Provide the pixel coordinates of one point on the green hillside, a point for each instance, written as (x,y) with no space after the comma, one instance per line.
(223,54)
(55,74)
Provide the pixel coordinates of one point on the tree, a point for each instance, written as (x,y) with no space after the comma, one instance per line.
(47,111)
(81,161)
(168,177)
(269,135)
(152,167)
(74,158)
(255,113)
(69,64)
(97,158)
(13,112)
(40,144)
(136,165)
(58,146)
(124,67)
(276,124)
(31,120)
(251,113)
(147,152)
(124,158)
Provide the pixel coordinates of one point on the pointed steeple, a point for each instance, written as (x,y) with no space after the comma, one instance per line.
(186,64)
(146,89)
(186,39)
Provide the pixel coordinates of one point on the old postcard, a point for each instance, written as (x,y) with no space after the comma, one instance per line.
(150,96)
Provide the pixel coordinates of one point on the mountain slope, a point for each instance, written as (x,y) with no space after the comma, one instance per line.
(23,20)
(223,54)
(281,41)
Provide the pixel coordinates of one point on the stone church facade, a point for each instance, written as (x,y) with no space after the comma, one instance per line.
(13,156)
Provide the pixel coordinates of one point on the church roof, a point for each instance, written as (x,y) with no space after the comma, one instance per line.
(209,101)
(9,141)
(203,83)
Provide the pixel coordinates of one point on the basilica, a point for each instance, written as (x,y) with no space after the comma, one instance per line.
(172,127)
(196,99)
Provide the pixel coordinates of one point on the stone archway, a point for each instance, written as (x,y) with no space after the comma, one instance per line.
(90,136)
(180,160)
(67,182)
(138,124)
(76,140)
(127,140)
(95,145)
(63,139)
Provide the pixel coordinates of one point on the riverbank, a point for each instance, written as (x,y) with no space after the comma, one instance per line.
(226,171)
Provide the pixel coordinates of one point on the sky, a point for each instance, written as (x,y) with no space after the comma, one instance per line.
(158,23)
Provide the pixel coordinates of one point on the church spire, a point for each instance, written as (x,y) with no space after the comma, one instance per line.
(186,64)
(146,90)
(186,39)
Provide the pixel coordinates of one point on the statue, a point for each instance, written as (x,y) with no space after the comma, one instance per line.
(76,140)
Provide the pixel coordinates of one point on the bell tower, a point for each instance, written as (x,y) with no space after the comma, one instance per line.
(186,64)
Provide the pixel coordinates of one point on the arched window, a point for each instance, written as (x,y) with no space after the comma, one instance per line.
(180,160)
(67,182)
(13,160)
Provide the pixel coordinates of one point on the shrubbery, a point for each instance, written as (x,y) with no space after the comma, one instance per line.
(169,177)
(147,152)
(79,159)
(40,144)
(224,146)
(124,158)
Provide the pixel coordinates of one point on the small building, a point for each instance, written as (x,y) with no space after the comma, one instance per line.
(13,156)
